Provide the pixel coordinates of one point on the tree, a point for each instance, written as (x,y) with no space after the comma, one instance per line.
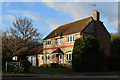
(113,61)
(86,55)
(22,35)
(115,44)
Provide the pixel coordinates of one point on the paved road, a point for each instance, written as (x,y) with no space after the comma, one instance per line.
(40,74)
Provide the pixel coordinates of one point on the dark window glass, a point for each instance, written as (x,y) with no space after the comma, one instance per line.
(60,56)
(48,57)
(70,56)
(52,56)
(67,39)
(67,56)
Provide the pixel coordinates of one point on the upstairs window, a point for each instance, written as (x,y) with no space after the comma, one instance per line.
(48,42)
(58,41)
(71,38)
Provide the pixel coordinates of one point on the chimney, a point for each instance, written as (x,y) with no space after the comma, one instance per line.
(96,15)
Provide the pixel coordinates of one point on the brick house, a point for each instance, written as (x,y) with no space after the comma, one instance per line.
(58,45)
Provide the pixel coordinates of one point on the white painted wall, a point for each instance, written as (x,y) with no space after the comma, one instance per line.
(33,61)
(15,58)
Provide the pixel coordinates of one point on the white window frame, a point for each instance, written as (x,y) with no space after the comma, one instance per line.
(71,38)
(48,43)
(47,57)
(69,56)
(59,41)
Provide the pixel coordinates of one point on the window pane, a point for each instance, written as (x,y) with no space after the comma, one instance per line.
(60,56)
(50,42)
(46,57)
(70,56)
(67,56)
(67,39)
(60,40)
(73,38)
(52,56)
(57,41)
(42,57)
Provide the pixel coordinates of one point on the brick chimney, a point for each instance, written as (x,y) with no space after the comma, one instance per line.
(96,15)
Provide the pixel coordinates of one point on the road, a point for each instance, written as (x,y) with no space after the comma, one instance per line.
(45,75)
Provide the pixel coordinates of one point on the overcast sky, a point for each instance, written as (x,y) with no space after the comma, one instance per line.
(47,16)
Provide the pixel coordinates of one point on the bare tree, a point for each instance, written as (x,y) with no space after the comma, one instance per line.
(24,30)
(22,35)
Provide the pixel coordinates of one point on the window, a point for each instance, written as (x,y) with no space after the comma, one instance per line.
(47,57)
(42,57)
(58,41)
(48,42)
(71,38)
(52,57)
(69,56)
(68,39)
(60,56)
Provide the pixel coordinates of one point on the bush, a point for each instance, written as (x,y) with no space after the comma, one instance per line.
(113,63)
(86,55)
(4,60)
(26,65)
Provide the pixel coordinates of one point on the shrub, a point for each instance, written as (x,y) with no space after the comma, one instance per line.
(113,63)
(86,55)
(26,65)
(4,60)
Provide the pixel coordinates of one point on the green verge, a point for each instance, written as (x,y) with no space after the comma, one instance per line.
(52,69)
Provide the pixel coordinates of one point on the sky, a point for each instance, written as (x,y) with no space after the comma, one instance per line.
(46,16)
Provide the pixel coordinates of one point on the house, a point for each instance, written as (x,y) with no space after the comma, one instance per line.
(36,56)
(58,45)
(33,56)
(15,56)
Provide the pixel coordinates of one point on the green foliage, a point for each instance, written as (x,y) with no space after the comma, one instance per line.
(4,60)
(86,55)
(22,68)
(115,44)
(52,69)
(113,63)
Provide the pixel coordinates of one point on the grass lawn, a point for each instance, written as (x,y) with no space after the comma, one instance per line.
(52,69)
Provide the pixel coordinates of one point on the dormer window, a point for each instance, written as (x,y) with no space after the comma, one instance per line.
(71,38)
(48,42)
